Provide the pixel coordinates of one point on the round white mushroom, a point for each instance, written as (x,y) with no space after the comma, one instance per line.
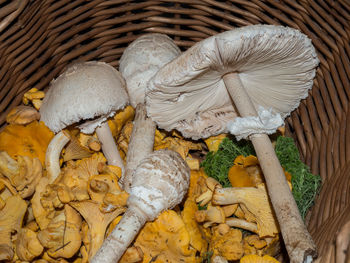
(86,94)
(139,63)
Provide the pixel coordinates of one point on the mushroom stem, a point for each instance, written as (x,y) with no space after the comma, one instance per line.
(52,155)
(297,239)
(121,237)
(161,181)
(240,223)
(109,147)
(141,143)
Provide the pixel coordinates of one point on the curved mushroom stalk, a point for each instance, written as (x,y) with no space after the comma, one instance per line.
(280,194)
(53,151)
(161,181)
(241,223)
(141,144)
(109,147)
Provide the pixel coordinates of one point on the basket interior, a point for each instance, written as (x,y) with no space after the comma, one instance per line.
(44,36)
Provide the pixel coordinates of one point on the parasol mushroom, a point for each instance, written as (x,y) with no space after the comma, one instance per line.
(160,183)
(139,63)
(88,93)
(261,72)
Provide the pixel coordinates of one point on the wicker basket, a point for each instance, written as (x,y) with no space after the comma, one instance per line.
(39,38)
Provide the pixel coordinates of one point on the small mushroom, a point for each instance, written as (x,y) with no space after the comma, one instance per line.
(24,174)
(254,202)
(210,216)
(22,115)
(62,236)
(11,217)
(159,183)
(97,222)
(28,245)
(42,215)
(35,96)
(261,72)
(197,239)
(228,244)
(138,64)
(75,150)
(166,239)
(76,175)
(101,184)
(90,93)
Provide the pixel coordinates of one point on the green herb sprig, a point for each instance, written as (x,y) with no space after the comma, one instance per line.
(217,164)
(305,185)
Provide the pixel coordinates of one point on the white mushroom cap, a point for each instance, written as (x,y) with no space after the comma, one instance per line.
(91,91)
(142,59)
(160,182)
(276,65)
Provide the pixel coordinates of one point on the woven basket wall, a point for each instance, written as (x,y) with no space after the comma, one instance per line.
(39,38)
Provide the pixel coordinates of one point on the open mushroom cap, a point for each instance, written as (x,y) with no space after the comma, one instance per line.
(142,59)
(85,91)
(276,66)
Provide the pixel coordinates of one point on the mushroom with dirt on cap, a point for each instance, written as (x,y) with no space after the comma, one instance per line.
(139,63)
(160,182)
(261,72)
(87,94)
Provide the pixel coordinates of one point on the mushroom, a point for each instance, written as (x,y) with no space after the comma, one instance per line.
(197,240)
(262,71)
(22,115)
(228,244)
(213,214)
(89,92)
(75,150)
(166,240)
(160,182)
(28,245)
(138,64)
(101,184)
(255,204)
(34,96)
(11,217)
(132,255)
(97,222)
(258,259)
(30,140)
(24,174)
(62,236)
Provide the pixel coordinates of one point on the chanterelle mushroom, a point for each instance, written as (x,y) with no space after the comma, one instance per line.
(11,216)
(89,92)
(62,235)
(24,174)
(97,221)
(255,204)
(161,181)
(265,70)
(138,64)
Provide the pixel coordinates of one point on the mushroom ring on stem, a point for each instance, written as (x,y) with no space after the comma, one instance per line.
(260,72)
(86,93)
(139,63)
(160,182)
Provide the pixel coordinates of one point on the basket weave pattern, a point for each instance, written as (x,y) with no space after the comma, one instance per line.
(47,35)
